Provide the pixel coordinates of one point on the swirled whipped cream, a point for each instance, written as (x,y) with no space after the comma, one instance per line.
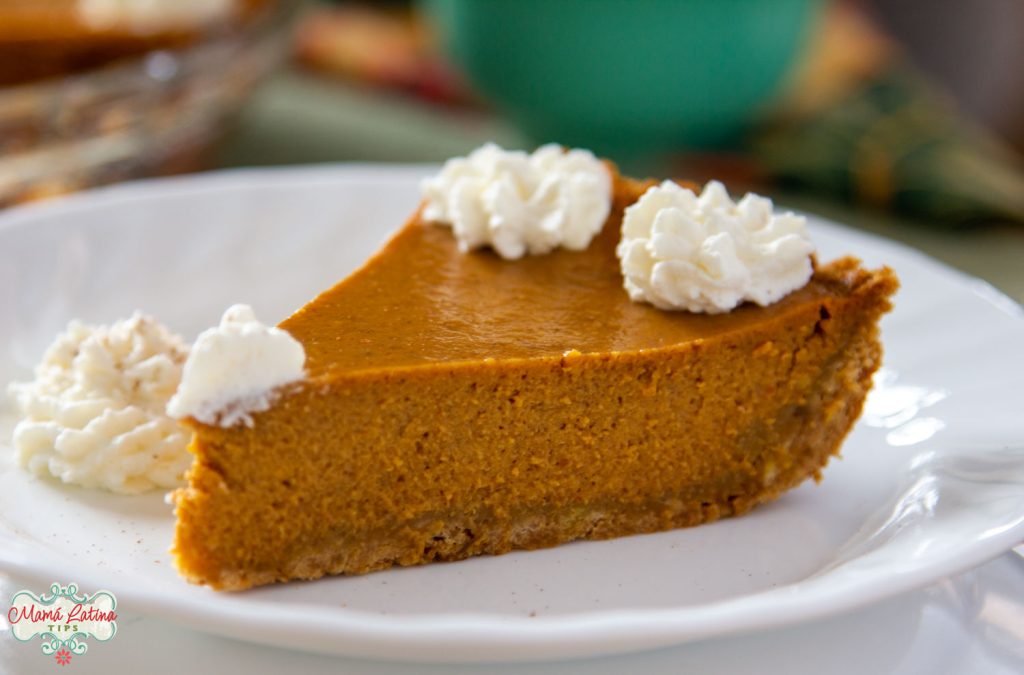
(151,15)
(235,369)
(94,416)
(518,203)
(709,254)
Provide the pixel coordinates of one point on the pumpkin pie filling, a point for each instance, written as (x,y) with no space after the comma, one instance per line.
(461,404)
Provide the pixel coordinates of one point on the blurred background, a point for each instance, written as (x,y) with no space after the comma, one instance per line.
(902,117)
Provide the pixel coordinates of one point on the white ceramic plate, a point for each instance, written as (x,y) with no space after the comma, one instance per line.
(932,480)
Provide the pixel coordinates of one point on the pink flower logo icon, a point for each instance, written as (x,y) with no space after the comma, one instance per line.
(63,657)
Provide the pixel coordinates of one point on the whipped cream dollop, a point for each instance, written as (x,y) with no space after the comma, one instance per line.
(709,254)
(234,369)
(520,203)
(153,15)
(94,415)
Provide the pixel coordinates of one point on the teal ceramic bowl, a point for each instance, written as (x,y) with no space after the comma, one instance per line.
(626,76)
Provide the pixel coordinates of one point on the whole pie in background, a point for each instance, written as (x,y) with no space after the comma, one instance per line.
(47,38)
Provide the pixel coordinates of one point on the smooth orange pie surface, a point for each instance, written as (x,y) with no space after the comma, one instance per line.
(460,404)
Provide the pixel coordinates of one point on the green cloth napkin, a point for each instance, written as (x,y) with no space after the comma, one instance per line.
(896,144)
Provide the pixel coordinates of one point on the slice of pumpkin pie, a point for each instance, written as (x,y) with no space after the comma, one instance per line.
(545,352)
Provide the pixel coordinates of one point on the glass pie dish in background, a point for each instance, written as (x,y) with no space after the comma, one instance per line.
(148,113)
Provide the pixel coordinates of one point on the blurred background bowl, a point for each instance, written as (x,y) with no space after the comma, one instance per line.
(626,77)
(153,112)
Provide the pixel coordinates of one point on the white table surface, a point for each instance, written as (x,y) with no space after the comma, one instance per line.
(969,624)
